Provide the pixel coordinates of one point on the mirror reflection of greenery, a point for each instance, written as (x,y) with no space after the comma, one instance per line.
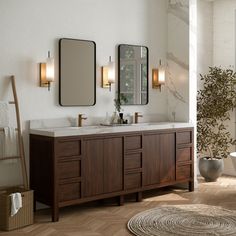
(144,77)
(129,98)
(127,72)
(119,101)
(143,52)
(144,98)
(133,71)
(127,52)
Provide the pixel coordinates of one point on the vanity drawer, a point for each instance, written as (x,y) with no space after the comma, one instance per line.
(133,180)
(68,148)
(184,154)
(69,192)
(133,142)
(133,161)
(183,137)
(183,172)
(70,169)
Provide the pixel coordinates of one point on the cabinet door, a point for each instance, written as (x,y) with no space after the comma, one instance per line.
(93,167)
(151,159)
(113,164)
(167,157)
(159,158)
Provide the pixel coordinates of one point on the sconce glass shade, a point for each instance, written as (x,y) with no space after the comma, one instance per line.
(158,76)
(111,72)
(50,69)
(155,78)
(47,72)
(161,75)
(108,74)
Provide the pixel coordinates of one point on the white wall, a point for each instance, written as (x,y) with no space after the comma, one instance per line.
(216,46)
(204,42)
(204,37)
(193,76)
(224,52)
(224,33)
(178,60)
(30,28)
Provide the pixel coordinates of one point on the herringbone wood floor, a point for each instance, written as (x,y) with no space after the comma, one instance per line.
(108,219)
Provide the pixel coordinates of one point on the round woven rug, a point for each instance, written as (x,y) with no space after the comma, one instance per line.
(188,220)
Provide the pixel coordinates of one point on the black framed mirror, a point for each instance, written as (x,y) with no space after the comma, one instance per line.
(77,72)
(133,74)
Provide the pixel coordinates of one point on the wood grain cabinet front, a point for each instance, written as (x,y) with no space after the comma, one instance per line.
(102,166)
(68,148)
(183,172)
(184,154)
(133,145)
(133,161)
(133,142)
(68,169)
(71,170)
(183,137)
(185,157)
(133,180)
(69,191)
(159,158)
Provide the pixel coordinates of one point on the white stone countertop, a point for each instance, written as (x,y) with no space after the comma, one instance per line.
(100,129)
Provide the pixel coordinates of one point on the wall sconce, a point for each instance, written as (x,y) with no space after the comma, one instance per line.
(47,72)
(158,76)
(108,74)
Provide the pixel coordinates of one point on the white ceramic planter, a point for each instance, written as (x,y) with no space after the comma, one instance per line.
(233,158)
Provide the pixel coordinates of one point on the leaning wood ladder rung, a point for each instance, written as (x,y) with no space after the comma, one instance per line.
(19,134)
(10,158)
(2,129)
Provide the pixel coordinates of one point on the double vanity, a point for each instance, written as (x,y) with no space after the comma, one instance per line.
(73,165)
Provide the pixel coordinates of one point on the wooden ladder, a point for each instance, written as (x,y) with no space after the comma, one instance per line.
(19,134)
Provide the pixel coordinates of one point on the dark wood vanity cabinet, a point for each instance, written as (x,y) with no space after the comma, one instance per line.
(72,170)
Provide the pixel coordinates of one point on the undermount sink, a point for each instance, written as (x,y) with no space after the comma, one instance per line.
(153,123)
(83,127)
(113,125)
(95,127)
(137,124)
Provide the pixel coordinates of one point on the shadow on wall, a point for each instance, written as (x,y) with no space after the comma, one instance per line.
(233,159)
(5,88)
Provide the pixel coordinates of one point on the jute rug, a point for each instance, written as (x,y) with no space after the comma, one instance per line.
(188,220)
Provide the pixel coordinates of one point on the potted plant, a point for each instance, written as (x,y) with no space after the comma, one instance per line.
(117,103)
(214,102)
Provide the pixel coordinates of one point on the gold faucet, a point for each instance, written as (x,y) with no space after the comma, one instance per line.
(136,116)
(80,118)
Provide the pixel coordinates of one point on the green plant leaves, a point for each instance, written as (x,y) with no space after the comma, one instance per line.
(214,102)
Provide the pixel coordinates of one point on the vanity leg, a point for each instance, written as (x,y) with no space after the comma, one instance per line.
(101,201)
(139,197)
(191,186)
(55,213)
(121,200)
(34,202)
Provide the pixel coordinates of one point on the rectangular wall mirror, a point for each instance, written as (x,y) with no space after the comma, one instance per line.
(132,74)
(77,72)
